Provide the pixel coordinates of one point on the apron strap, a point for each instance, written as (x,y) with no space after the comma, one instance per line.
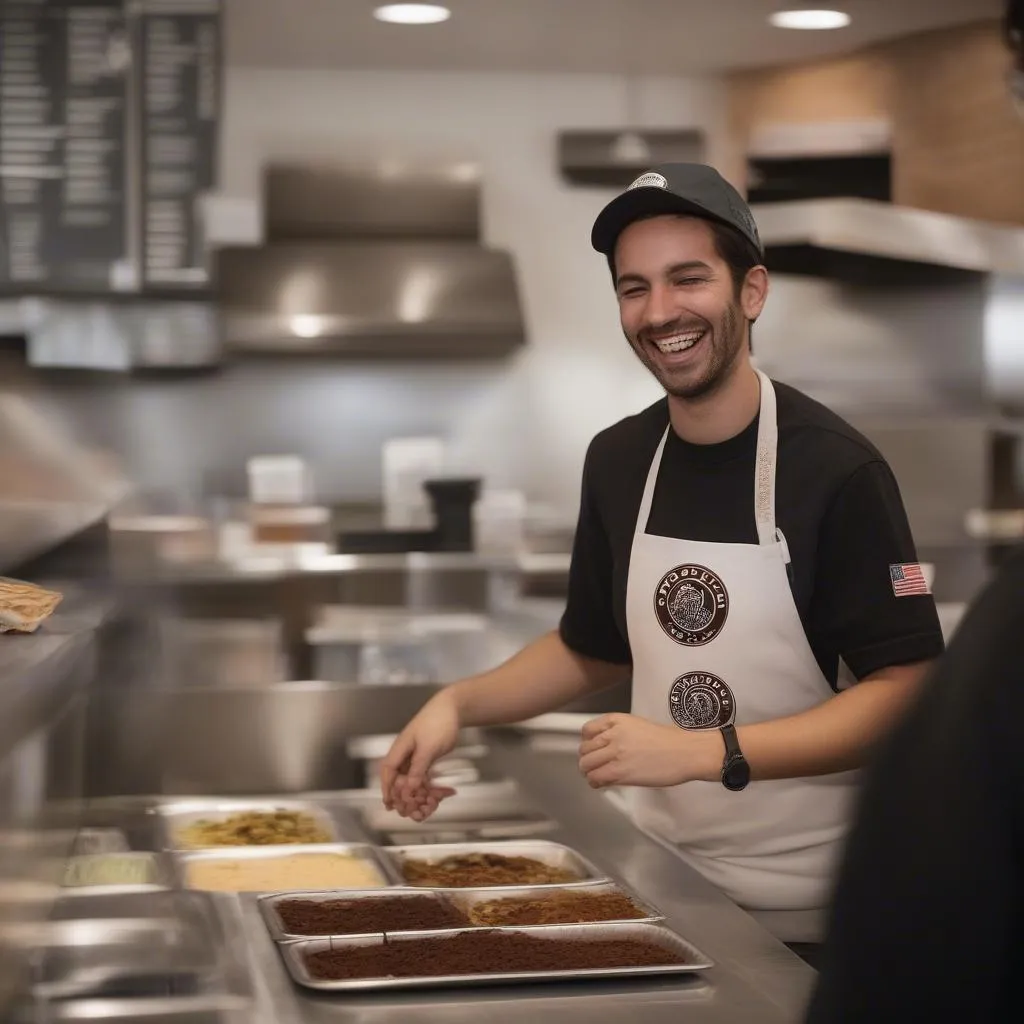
(648,497)
(767,457)
(764,473)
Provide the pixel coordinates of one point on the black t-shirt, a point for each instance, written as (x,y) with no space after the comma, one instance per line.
(928,918)
(836,502)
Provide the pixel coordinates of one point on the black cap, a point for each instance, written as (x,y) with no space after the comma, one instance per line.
(692,189)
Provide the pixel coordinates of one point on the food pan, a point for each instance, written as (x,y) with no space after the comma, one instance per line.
(361,851)
(178,816)
(269,903)
(294,958)
(478,833)
(553,855)
(466,899)
(156,869)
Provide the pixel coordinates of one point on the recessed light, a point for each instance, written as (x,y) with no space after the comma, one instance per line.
(810,19)
(412,14)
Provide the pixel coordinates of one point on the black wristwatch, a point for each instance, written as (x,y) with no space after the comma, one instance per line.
(735,770)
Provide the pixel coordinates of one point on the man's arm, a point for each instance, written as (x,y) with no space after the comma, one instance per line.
(542,677)
(546,675)
(838,735)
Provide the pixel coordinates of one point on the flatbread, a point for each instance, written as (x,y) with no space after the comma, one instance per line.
(25,606)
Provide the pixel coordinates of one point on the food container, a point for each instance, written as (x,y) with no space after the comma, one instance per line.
(294,954)
(178,816)
(465,900)
(461,900)
(98,874)
(278,930)
(476,813)
(361,852)
(100,840)
(552,855)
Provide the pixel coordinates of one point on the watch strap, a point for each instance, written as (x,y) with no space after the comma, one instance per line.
(732,742)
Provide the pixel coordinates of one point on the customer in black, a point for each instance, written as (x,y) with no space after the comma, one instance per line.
(928,922)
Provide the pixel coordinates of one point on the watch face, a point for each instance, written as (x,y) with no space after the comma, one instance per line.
(736,774)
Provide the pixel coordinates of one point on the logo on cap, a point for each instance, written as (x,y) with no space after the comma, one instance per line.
(650,180)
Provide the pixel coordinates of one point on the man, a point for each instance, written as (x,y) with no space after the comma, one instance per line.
(928,922)
(740,551)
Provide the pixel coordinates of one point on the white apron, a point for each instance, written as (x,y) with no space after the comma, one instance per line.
(716,638)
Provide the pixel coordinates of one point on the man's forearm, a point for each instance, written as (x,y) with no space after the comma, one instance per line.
(542,677)
(836,736)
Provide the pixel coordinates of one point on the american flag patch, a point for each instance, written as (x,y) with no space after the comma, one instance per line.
(907,579)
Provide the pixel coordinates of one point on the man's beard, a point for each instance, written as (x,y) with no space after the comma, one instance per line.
(726,339)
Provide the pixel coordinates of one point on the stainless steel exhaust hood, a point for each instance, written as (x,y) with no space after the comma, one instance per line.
(863,239)
(373,262)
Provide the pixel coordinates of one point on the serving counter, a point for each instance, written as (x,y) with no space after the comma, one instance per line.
(88,757)
(753,977)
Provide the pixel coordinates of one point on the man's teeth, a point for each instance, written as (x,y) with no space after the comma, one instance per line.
(679,342)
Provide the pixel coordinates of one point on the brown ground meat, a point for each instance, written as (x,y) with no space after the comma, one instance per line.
(484,952)
(557,908)
(356,917)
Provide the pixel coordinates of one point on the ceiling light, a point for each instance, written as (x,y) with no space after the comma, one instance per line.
(810,19)
(412,14)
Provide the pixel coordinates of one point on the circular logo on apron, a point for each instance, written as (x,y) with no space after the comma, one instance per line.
(691,604)
(700,700)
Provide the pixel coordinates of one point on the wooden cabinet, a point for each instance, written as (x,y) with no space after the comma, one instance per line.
(957,144)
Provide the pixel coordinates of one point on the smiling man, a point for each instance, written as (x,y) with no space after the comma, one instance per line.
(744,555)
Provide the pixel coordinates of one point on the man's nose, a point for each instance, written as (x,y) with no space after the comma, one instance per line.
(659,311)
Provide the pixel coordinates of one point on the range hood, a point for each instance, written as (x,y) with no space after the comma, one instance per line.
(613,159)
(864,239)
(371,261)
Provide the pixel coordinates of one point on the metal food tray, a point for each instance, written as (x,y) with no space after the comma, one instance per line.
(91,841)
(162,877)
(179,815)
(465,899)
(476,803)
(268,904)
(362,851)
(461,899)
(474,833)
(551,854)
(293,955)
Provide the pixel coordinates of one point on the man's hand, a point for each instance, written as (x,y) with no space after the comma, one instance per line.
(624,750)
(405,771)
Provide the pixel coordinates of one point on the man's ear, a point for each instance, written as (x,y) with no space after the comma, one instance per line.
(754,292)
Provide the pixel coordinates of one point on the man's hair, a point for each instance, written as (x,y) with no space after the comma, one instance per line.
(737,252)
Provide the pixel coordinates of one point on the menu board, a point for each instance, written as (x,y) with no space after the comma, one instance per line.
(64,71)
(180,47)
(109,112)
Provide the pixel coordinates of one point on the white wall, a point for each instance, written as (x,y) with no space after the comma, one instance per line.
(527,422)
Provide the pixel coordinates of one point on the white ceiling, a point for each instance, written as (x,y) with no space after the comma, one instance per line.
(636,36)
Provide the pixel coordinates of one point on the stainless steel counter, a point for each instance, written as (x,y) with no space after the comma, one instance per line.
(43,678)
(755,978)
(159,743)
